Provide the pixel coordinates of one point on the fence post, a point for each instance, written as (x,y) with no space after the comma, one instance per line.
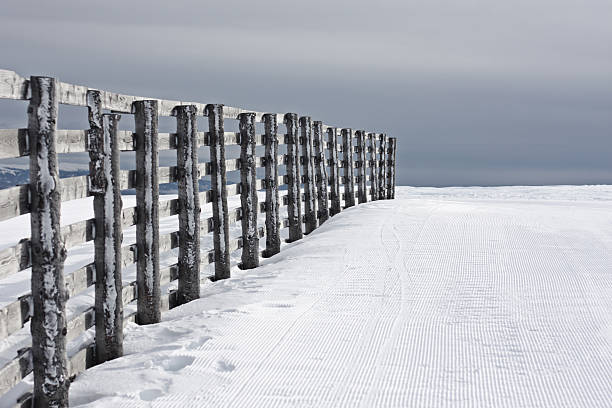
(373,167)
(189,203)
(104,186)
(147,210)
(382,166)
(391,168)
(307,159)
(362,188)
(248,192)
(272,204)
(48,326)
(294,209)
(334,171)
(321,172)
(219,190)
(349,182)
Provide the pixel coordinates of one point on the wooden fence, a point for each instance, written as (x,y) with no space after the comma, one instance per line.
(325,169)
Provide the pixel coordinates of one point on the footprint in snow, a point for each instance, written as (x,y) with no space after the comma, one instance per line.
(177,363)
(150,394)
(197,343)
(224,366)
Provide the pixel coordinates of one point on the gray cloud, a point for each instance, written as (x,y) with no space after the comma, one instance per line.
(477,92)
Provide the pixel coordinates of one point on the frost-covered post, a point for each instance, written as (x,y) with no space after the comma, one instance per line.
(248,192)
(362,188)
(334,172)
(216,140)
(391,168)
(373,166)
(273,241)
(307,159)
(147,210)
(48,326)
(349,182)
(189,203)
(294,209)
(321,171)
(382,167)
(105,187)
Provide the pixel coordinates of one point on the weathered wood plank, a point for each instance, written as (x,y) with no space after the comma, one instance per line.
(273,240)
(13,372)
(373,166)
(48,327)
(14,315)
(248,192)
(13,143)
(293,177)
(15,258)
(79,280)
(73,188)
(189,214)
(219,191)
(78,324)
(310,206)
(233,138)
(233,217)
(169,274)
(106,189)
(347,164)
(362,195)
(382,166)
(70,94)
(321,172)
(334,172)
(14,201)
(12,85)
(147,197)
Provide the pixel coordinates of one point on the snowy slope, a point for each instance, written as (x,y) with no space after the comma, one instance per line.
(459,297)
(425,302)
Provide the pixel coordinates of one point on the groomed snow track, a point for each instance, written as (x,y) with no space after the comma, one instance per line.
(438,298)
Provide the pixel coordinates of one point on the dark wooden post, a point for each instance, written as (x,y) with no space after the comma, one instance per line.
(248,192)
(189,203)
(219,191)
(394,165)
(382,167)
(294,209)
(362,188)
(334,172)
(373,166)
(321,172)
(273,241)
(347,163)
(147,210)
(310,210)
(104,185)
(48,325)
(391,168)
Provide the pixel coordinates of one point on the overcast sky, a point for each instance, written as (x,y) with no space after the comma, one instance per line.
(477,92)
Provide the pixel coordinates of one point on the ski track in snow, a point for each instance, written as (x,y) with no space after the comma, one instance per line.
(438,298)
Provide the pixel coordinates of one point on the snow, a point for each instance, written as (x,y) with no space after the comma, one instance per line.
(442,297)
(458,297)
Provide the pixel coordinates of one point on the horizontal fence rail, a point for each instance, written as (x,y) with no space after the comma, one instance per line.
(323,171)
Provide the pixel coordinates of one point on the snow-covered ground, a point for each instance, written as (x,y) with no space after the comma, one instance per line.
(458,297)
(443,297)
